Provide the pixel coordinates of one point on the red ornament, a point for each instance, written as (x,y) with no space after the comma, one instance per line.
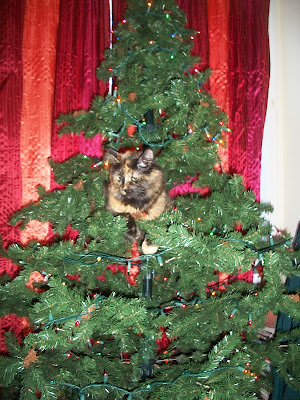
(114,268)
(77,323)
(36,277)
(218,168)
(131,130)
(238,227)
(101,277)
(254,276)
(187,187)
(10,269)
(19,326)
(125,356)
(164,341)
(73,277)
(70,234)
(134,271)
(224,279)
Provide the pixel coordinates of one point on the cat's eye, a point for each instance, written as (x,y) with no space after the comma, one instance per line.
(119,177)
(134,179)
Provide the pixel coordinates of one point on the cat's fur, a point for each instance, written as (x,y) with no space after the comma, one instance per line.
(136,188)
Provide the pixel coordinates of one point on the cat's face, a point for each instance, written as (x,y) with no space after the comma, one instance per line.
(132,174)
(136,185)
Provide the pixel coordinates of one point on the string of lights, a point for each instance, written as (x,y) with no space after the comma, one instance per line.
(153,48)
(149,388)
(98,256)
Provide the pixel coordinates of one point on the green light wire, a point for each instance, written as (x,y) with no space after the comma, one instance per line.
(125,260)
(140,127)
(148,389)
(77,316)
(163,16)
(146,257)
(258,251)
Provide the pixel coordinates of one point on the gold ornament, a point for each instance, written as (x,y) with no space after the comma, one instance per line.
(78,185)
(30,358)
(295,297)
(131,96)
(131,28)
(204,103)
(90,312)
(178,38)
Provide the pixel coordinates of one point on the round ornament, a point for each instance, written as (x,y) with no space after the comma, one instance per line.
(131,96)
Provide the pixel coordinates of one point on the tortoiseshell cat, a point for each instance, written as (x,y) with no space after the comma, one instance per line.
(136,189)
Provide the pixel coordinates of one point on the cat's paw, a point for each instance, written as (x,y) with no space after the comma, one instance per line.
(134,235)
(148,247)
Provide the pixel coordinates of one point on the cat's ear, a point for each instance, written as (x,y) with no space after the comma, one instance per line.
(111,156)
(146,159)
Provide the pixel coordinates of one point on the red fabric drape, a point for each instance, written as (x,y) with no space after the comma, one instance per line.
(249,66)
(38,58)
(197,19)
(218,27)
(218,31)
(234,43)
(11,36)
(233,40)
(83,35)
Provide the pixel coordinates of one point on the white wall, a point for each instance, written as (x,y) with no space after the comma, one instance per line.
(280,177)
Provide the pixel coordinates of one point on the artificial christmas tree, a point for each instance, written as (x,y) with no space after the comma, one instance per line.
(106,319)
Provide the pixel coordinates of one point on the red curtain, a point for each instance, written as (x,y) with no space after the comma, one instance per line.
(83,35)
(233,41)
(249,66)
(11,36)
(38,60)
(49,53)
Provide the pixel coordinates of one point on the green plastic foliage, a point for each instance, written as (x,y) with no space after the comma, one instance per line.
(152,69)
